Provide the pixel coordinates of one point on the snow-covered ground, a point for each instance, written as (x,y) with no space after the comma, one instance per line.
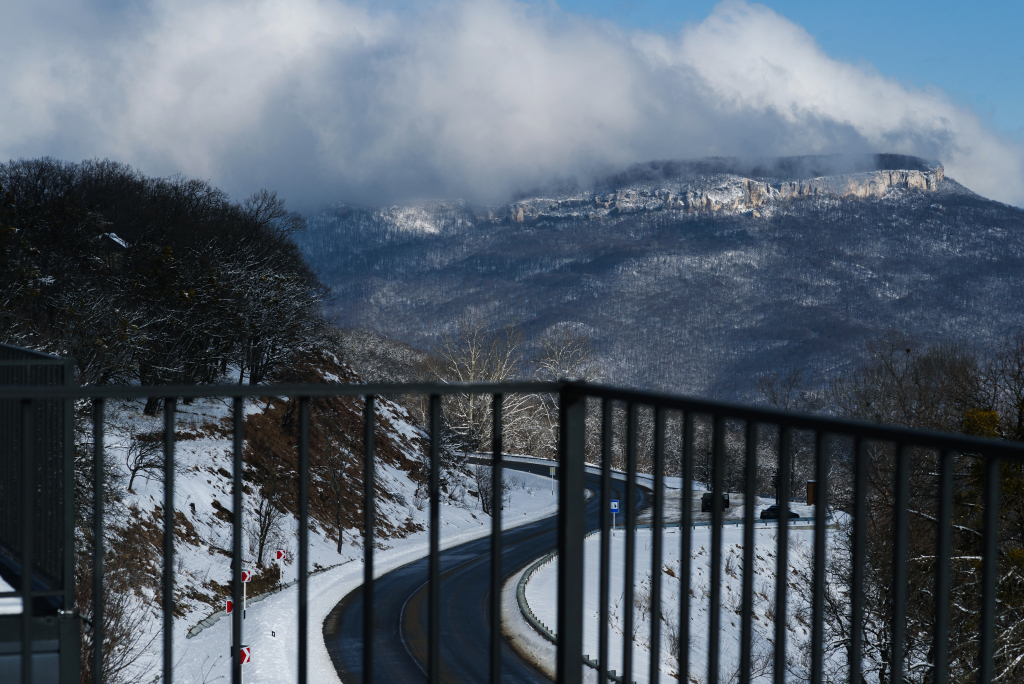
(270,627)
(9,606)
(203,456)
(541,593)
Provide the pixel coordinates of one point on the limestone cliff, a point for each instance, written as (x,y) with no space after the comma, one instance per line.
(718,192)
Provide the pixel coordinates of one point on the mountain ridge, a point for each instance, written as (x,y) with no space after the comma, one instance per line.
(732,277)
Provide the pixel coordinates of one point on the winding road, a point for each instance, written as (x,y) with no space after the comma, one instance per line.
(400,625)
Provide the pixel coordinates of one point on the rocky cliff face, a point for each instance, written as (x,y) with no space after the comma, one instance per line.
(715,193)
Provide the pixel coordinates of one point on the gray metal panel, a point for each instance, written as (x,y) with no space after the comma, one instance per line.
(52,512)
(51,664)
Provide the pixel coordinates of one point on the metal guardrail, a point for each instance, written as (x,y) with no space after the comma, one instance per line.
(215,617)
(538,625)
(572,402)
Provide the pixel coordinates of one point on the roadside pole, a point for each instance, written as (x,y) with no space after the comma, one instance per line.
(244,657)
(229,606)
(615,509)
(552,471)
(244,652)
(246,576)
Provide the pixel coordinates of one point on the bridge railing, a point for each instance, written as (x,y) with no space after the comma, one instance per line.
(682,431)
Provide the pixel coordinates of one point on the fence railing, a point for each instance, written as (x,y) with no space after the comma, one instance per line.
(717,430)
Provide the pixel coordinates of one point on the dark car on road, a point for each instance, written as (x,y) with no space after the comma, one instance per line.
(707,501)
(772,513)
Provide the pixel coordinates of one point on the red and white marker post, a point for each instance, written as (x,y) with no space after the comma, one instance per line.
(246,576)
(244,655)
(229,606)
(281,555)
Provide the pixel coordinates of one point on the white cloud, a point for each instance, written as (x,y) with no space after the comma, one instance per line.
(324,100)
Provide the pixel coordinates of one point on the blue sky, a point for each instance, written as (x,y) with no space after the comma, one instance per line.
(974,51)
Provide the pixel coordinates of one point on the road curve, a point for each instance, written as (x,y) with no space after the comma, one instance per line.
(400,623)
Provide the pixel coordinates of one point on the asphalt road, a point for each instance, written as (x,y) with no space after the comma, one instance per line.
(400,610)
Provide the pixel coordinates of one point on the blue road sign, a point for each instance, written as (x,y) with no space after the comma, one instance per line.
(615,505)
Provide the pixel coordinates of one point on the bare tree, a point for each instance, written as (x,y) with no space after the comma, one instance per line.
(142,455)
(476,353)
(955,388)
(908,383)
(126,639)
(565,353)
(1003,372)
(787,392)
(483,477)
(337,479)
(263,524)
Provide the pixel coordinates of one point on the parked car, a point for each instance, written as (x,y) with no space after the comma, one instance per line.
(706,501)
(772,513)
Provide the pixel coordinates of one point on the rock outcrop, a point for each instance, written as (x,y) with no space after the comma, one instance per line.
(722,192)
(872,184)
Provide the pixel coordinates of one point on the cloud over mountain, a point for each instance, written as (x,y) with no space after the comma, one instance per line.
(329,101)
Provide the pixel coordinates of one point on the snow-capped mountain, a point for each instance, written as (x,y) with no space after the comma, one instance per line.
(693,276)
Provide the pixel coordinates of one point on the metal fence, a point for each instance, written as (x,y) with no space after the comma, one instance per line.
(718,420)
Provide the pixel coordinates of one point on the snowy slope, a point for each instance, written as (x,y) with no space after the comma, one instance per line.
(203,498)
(203,529)
(271,625)
(541,594)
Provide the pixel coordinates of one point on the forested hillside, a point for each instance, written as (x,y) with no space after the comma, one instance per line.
(693,277)
(151,280)
(166,280)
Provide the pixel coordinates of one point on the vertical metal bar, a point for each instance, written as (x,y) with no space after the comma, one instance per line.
(67,496)
(899,561)
(715,607)
(497,502)
(860,514)
(656,553)
(303,670)
(989,564)
(368,502)
(782,556)
(237,418)
(434,636)
(70,665)
(749,499)
(572,437)
(168,595)
(942,570)
(685,521)
(606,515)
(27,552)
(97,541)
(820,504)
(630,576)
